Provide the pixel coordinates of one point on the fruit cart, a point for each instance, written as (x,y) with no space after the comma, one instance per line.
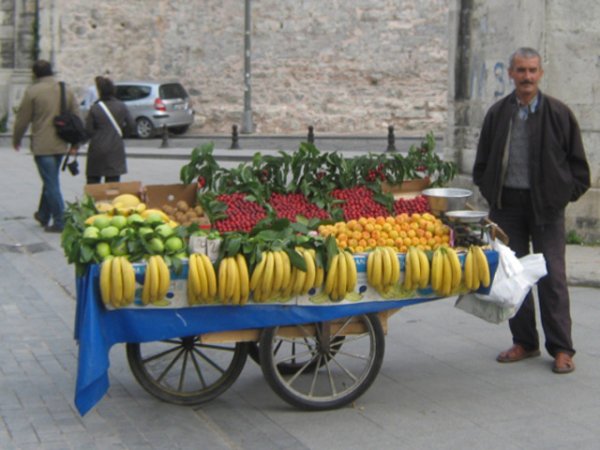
(314,356)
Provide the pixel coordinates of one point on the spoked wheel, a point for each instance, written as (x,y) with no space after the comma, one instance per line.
(307,366)
(185,371)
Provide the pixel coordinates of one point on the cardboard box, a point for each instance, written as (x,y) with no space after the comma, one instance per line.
(108,191)
(158,195)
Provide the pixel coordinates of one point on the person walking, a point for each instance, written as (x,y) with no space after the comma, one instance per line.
(39,106)
(530,164)
(107,122)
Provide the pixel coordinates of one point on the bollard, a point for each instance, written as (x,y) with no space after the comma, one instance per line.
(391,140)
(235,145)
(311,134)
(165,137)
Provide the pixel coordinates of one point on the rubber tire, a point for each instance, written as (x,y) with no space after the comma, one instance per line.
(179,130)
(272,372)
(144,128)
(148,382)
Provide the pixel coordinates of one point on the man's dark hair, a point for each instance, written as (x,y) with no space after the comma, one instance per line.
(105,87)
(41,68)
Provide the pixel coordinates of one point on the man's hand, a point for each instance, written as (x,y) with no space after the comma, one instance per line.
(73,150)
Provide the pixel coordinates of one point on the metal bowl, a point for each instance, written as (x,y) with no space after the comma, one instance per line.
(446,199)
(466,216)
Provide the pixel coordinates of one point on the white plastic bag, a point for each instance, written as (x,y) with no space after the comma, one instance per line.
(513,280)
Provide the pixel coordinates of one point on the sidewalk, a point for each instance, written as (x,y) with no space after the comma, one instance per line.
(439,387)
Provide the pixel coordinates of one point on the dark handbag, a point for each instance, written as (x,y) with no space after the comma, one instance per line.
(73,165)
(69,126)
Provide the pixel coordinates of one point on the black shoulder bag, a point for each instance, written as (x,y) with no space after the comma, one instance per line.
(69,126)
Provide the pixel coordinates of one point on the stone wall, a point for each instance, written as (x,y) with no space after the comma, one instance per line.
(345,67)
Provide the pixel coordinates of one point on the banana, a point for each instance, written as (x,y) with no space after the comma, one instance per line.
(311,272)
(395,266)
(128,281)
(211,277)
(222,285)
(469,270)
(164,277)
(386,266)
(268,275)
(191,297)
(195,288)
(437,267)
(377,272)
(257,273)
(342,280)
(105,275)
(234,280)
(319,277)
(203,296)
(153,273)
(278,271)
(352,272)
(146,287)
(116,285)
(408,276)
(425,268)
(288,289)
(446,275)
(330,280)
(299,279)
(370,263)
(482,266)
(244,278)
(456,270)
(287,270)
(415,264)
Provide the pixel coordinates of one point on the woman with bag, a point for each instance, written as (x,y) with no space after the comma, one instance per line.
(107,122)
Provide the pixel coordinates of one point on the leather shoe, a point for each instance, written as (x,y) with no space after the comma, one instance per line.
(53,229)
(563,363)
(516,353)
(36,216)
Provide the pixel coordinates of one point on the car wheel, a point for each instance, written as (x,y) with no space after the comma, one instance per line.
(145,129)
(179,130)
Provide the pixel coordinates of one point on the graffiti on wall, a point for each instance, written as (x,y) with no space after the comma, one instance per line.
(501,84)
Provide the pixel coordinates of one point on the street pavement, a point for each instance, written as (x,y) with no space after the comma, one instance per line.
(439,387)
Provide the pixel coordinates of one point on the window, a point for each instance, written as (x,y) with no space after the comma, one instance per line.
(132,92)
(172,91)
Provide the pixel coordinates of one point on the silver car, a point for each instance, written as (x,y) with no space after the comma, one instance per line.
(154,105)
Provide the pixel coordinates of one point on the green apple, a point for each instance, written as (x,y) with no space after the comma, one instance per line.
(135,219)
(174,244)
(120,250)
(101,222)
(154,219)
(91,232)
(109,232)
(103,249)
(144,231)
(118,221)
(156,245)
(164,230)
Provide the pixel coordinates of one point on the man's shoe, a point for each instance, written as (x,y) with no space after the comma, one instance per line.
(563,363)
(53,229)
(36,216)
(516,353)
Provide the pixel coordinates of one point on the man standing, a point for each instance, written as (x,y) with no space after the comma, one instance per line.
(530,164)
(40,104)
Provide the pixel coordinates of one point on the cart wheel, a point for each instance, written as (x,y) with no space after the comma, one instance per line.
(306,367)
(185,371)
(298,356)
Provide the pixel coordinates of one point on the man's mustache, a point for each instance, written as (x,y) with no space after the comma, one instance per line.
(525,82)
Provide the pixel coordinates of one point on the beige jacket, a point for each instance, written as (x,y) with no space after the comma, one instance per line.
(40,104)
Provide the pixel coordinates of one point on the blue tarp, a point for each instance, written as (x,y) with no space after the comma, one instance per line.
(98,329)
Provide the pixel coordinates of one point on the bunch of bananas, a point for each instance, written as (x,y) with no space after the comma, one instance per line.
(301,282)
(271,276)
(477,269)
(383,269)
(234,281)
(417,269)
(341,277)
(117,282)
(446,273)
(202,280)
(157,280)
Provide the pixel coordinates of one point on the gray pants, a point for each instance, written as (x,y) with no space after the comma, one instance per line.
(516,219)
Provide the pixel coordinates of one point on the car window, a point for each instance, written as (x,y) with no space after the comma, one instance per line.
(171,91)
(132,92)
